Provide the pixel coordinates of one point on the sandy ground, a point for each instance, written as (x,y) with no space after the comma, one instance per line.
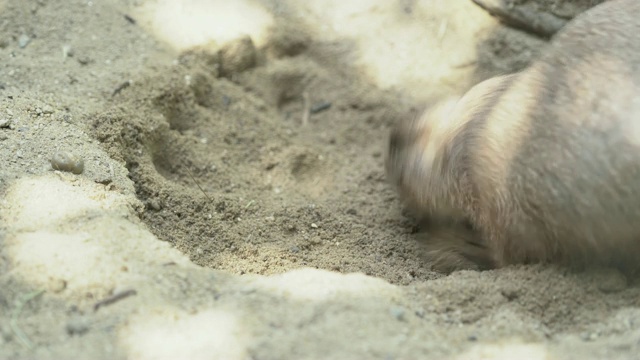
(214,220)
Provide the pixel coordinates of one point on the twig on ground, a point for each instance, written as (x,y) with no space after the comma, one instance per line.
(539,23)
(197,184)
(114,298)
(121,87)
(320,107)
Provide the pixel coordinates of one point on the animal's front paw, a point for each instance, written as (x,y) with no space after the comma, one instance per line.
(455,248)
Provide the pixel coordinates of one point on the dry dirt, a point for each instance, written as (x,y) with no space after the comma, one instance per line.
(215,220)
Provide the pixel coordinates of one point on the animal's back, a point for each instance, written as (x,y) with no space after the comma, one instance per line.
(569,184)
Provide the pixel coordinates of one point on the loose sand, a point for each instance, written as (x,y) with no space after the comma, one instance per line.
(214,220)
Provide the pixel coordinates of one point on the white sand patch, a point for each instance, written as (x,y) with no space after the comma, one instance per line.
(37,203)
(396,47)
(76,236)
(187,23)
(169,333)
(308,284)
(506,351)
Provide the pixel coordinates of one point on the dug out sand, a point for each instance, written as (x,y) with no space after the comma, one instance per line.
(233,202)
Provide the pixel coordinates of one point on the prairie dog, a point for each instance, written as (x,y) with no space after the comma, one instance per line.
(543,164)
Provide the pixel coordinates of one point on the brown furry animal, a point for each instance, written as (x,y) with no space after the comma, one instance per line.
(544,165)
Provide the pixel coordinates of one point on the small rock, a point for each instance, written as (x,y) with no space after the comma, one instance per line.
(5,123)
(77,325)
(67,51)
(155,205)
(605,279)
(511,293)
(104,179)
(610,281)
(237,56)
(65,161)
(294,249)
(47,109)
(23,41)
(398,313)
(288,41)
(85,60)
(313,225)
(587,336)
(58,285)
(315,240)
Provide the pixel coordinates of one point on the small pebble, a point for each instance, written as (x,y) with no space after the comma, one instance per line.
(612,281)
(288,41)
(316,240)
(58,285)
(77,325)
(155,205)
(85,60)
(313,225)
(67,51)
(398,313)
(237,56)
(47,109)
(5,123)
(587,336)
(23,41)
(607,280)
(104,179)
(65,161)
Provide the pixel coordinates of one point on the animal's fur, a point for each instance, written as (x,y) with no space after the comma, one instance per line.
(545,163)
